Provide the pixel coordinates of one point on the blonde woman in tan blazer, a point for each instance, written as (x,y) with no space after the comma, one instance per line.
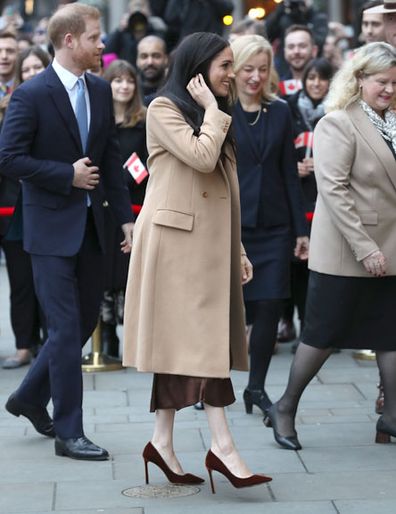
(352,285)
(184,311)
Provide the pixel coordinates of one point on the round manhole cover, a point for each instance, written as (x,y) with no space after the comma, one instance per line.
(160,491)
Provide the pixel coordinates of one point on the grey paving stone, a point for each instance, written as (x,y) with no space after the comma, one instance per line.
(366,506)
(247,508)
(52,469)
(104,398)
(123,510)
(26,497)
(331,419)
(333,459)
(346,375)
(359,485)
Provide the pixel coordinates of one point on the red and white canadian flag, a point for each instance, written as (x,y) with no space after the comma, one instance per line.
(136,168)
(288,87)
(304,140)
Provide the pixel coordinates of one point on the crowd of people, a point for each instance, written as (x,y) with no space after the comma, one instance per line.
(212,161)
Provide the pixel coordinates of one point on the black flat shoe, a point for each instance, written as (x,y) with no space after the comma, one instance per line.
(37,415)
(79,448)
(256,397)
(289,442)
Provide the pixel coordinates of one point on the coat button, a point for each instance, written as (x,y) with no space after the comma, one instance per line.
(105,203)
(205,194)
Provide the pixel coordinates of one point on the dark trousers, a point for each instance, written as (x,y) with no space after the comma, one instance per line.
(70,290)
(26,317)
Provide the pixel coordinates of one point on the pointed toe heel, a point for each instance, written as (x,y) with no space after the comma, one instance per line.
(287,442)
(213,463)
(151,454)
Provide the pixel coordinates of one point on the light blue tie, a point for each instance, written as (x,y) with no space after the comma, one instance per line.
(82,119)
(81,113)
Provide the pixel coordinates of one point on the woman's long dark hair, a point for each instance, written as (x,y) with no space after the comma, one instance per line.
(322,67)
(194,55)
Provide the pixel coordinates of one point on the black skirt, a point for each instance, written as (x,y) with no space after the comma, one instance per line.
(269,250)
(350,312)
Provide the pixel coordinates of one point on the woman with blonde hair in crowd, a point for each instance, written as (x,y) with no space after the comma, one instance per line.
(352,284)
(273,219)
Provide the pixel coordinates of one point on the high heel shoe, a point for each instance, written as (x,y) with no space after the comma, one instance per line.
(384,432)
(256,397)
(151,454)
(213,463)
(289,442)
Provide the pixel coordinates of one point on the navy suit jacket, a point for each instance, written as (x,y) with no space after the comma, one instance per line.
(39,143)
(269,185)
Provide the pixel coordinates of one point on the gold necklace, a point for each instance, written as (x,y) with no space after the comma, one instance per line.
(256,119)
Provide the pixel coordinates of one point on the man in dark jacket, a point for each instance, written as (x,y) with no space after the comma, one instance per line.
(197,15)
(294,12)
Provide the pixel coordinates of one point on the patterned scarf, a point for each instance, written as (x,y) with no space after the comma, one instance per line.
(309,111)
(386,127)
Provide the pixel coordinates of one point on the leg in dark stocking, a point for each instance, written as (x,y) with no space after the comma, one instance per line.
(262,341)
(306,363)
(387,365)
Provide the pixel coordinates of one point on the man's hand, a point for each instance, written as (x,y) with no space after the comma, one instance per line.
(85,176)
(126,244)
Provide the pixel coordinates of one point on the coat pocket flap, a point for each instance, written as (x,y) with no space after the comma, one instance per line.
(369,217)
(175,219)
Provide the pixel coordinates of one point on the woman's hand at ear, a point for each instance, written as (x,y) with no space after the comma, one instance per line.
(200,92)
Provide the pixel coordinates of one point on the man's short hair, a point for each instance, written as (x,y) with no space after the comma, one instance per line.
(70,19)
(7,34)
(299,28)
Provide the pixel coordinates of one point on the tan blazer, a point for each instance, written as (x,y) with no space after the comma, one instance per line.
(184,306)
(355,212)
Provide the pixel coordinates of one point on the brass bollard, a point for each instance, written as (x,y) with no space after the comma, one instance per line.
(97,360)
(364,355)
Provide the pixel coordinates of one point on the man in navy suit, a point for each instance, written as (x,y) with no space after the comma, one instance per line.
(59,139)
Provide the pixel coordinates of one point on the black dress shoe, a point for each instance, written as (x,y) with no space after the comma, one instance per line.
(79,448)
(37,415)
(287,442)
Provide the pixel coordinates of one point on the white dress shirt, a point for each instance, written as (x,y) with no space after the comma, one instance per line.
(69,80)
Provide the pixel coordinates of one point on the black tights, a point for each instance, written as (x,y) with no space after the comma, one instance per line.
(265,316)
(307,362)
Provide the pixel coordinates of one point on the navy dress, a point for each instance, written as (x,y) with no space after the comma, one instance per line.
(272,211)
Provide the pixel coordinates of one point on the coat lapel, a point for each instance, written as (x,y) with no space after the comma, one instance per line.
(374,140)
(96,110)
(62,102)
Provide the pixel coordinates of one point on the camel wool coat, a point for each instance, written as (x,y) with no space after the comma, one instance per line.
(184,308)
(355,212)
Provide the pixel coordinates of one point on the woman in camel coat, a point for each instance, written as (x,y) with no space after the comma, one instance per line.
(184,310)
(187,253)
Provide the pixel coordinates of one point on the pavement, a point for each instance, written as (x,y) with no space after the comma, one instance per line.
(339,470)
